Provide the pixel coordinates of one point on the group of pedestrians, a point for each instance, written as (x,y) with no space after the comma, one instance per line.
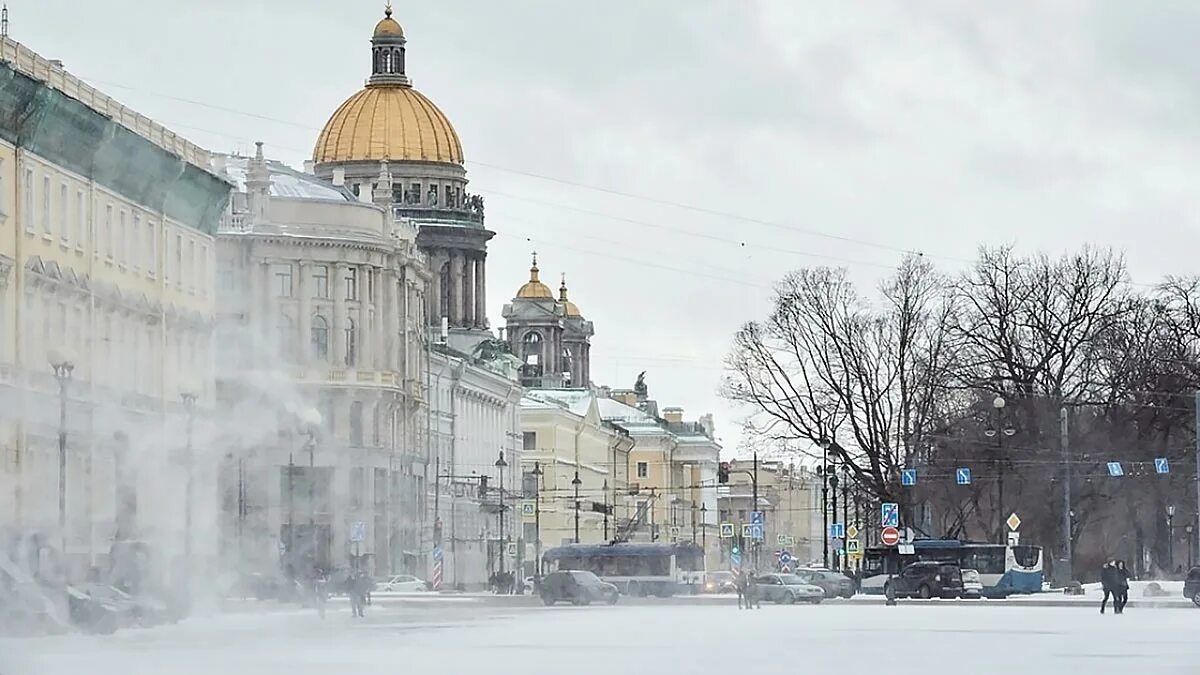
(746,586)
(1114,579)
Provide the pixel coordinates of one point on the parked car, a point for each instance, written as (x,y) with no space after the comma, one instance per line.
(400,583)
(927,579)
(788,589)
(835,584)
(1191,586)
(577,587)
(719,582)
(972,584)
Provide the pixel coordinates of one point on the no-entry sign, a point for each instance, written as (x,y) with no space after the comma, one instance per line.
(890,536)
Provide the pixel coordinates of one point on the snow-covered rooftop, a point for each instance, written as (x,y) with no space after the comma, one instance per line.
(285,181)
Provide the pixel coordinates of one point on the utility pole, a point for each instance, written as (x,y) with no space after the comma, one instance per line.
(1197,516)
(754,479)
(1068,539)
(576,483)
(537,517)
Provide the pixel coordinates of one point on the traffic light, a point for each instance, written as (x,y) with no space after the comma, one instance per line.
(737,548)
(723,472)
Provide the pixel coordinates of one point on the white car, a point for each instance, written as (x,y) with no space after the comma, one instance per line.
(400,583)
(972,586)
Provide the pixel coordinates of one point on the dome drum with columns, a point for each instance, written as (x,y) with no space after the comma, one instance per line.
(549,335)
(390,144)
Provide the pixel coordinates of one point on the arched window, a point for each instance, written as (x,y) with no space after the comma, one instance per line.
(356,424)
(531,352)
(320,337)
(567,368)
(351,343)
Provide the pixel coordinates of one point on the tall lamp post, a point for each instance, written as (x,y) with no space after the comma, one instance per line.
(831,471)
(63,367)
(846,507)
(537,516)
(576,482)
(1191,549)
(605,491)
(704,530)
(500,464)
(693,523)
(1170,538)
(189,406)
(999,433)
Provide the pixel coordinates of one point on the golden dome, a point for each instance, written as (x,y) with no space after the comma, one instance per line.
(534,289)
(388,122)
(387,26)
(569,307)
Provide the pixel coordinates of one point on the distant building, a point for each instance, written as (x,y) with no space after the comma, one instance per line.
(789,497)
(549,335)
(106,264)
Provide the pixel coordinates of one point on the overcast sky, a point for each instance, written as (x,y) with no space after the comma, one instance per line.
(673,158)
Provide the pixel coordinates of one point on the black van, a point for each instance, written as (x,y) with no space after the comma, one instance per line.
(926,580)
(577,587)
(1191,587)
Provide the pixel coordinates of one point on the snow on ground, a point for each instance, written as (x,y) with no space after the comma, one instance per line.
(844,638)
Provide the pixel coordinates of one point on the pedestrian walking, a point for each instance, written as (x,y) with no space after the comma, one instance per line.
(357,594)
(1108,583)
(321,592)
(1121,591)
(752,599)
(739,585)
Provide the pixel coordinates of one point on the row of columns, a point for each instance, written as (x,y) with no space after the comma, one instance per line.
(465,303)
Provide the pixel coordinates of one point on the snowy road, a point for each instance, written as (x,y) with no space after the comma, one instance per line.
(844,638)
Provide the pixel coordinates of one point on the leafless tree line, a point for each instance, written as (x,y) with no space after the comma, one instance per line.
(907,376)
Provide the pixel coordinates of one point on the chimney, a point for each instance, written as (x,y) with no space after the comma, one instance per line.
(339,176)
(309,166)
(673,415)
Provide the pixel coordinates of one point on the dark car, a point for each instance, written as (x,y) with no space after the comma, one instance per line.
(926,580)
(1191,586)
(835,584)
(577,587)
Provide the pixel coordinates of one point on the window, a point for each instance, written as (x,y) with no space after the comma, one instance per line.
(122,239)
(283,279)
(358,476)
(529,484)
(320,337)
(80,219)
(190,261)
(286,338)
(356,424)
(351,345)
(151,247)
(325,405)
(320,281)
(643,470)
(108,231)
(27,201)
(414,194)
(63,205)
(136,241)
(352,283)
(46,228)
(178,274)
(529,440)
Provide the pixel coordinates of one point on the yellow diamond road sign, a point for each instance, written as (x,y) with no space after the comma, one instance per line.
(852,532)
(1013,522)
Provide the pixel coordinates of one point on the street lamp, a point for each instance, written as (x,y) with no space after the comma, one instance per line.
(605,491)
(998,404)
(1170,538)
(537,515)
(833,486)
(311,419)
(1191,549)
(63,367)
(500,464)
(704,530)
(576,482)
(189,405)
(693,523)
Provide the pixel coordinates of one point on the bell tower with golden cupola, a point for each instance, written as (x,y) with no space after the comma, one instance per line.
(549,335)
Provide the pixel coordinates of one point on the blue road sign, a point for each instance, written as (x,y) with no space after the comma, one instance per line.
(358,531)
(785,558)
(756,517)
(908,477)
(756,531)
(963,476)
(837,531)
(1161,465)
(1115,469)
(889,514)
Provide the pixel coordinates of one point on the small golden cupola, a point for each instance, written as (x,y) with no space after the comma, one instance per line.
(534,289)
(569,307)
(387,26)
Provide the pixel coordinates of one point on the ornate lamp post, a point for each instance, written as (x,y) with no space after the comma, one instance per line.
(998,404)
(500,464)
(1170,538)
(537,516)
(605,491)
(63,367)
(576,482)
(704,529)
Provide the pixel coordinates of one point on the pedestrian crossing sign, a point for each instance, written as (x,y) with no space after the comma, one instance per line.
(528,508)
(853,546)
(727,530)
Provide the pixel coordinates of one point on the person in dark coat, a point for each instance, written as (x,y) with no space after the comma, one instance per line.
(739,585)
(752,595)
(1108,583)
(1121,587)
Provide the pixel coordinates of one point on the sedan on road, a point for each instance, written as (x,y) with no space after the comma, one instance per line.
(788,589)
(400,583)
(1191,587)
(835,584)
(577,587)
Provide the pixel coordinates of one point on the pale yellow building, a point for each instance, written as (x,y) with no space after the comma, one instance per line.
(789,497)
(106,263)
(564,437)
